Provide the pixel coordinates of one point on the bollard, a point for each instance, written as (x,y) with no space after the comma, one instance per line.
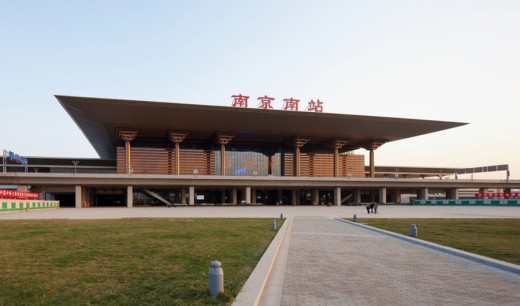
(216,278)
(354,218)
(273,225)
(413,230)
(281,216)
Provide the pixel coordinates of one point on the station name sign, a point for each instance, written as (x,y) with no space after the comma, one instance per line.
(289,104)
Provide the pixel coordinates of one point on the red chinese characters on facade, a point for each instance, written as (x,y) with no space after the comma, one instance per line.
(265,102)
(315,106)
(239,100)
(290,104)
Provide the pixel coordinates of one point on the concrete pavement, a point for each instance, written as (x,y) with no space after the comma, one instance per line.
(334,263)
(322,261)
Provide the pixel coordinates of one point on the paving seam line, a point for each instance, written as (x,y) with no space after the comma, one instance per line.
(252,290)
(490,262)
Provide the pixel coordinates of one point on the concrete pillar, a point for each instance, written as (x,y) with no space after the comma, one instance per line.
(234,196)
(253,195)
(452,194)
(295,197)
(316,197)
(382,195)
(396,196)
(422,194)
(79,196)
(248,194)
(357,196)
(337,196)
(130,196)
(183,196)
(192,195)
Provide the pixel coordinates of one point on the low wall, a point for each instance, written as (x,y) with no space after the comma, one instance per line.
(14,205)
(476,202)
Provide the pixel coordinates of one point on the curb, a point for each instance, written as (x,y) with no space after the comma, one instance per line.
(252,290)
(490,262)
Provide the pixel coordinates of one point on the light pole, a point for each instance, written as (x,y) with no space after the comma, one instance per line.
(195,171)
(75,162)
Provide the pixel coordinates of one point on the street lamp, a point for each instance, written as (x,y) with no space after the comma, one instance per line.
(75,162)
(195,171)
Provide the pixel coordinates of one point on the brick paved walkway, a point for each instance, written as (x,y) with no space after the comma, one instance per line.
(332,263)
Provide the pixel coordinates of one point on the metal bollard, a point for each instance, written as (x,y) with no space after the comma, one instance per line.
(273,225)
(354,218)
(281,216)
(413,230)
(216,278)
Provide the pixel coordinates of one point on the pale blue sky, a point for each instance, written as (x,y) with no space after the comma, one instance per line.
(441,60)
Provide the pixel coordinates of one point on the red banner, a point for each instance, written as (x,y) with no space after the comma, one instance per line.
(18,195)
(507,195)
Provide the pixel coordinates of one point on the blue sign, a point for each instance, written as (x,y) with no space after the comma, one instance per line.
(17,158)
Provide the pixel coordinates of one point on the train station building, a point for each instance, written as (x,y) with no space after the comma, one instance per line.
(156,153)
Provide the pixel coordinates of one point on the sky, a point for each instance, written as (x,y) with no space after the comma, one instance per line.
(439,60)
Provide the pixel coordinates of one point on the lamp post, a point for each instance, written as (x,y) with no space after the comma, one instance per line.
(75,162)
(195,171)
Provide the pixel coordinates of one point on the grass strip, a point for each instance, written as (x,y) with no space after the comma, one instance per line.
(128,261)
(495,238)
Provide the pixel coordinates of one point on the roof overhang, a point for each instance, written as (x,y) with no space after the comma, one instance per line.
(100,119)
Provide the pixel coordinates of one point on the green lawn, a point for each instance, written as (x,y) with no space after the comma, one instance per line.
(496,238)
(129,261)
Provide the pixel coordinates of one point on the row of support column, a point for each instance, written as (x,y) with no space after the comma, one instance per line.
(128,135)
(82,195)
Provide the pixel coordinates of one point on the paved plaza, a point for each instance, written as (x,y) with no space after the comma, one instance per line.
(385,211)
(334,263)
(323,261)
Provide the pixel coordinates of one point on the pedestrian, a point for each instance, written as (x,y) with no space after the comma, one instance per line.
(374,207)
(368,208)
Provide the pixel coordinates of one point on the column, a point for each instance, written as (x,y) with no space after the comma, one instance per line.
(382,195)
(177,137)
(298,143)
(128,135)
(337,196)
(234,196)
(337,144)
(79,196)
(422,194)
(223,139)
(129,196)
(248,194)
(192,195)
(452,194)
(357,196)
(372,146)
(253,195)
(397,196)
(316,197)
(183,196)
(295,197)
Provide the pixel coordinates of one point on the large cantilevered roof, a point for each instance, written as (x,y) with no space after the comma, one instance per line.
(100,120)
